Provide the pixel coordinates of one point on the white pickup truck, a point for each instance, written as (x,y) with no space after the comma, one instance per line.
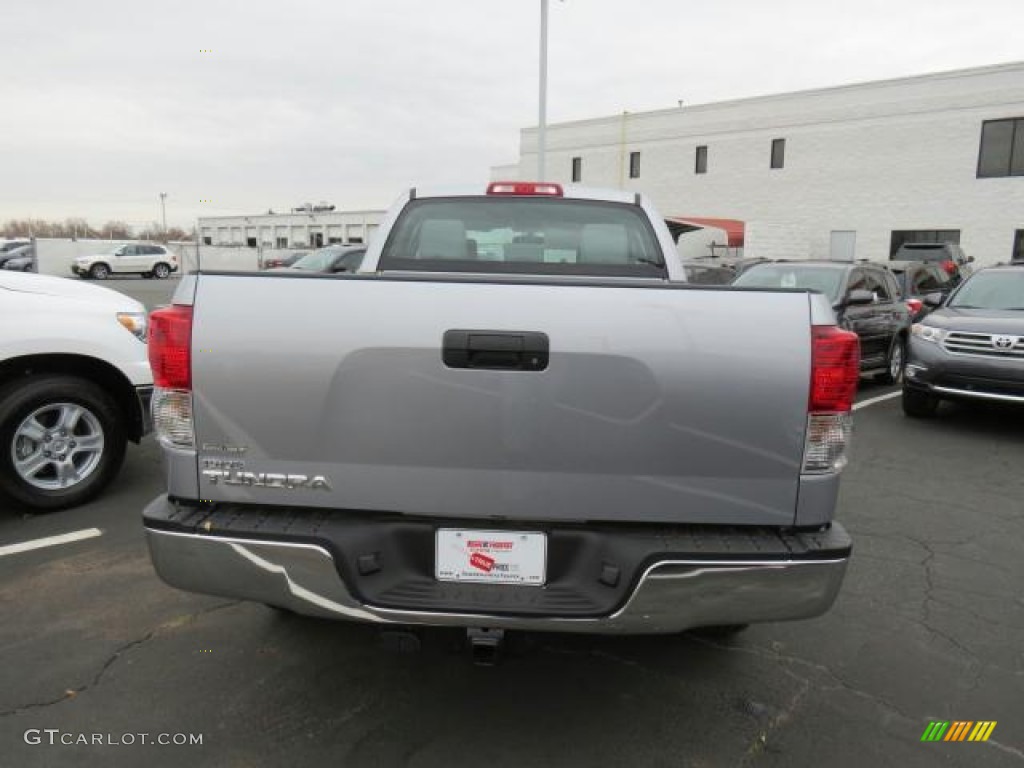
(75,385)
(517,415)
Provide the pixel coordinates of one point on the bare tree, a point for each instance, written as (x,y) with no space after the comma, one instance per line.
(155,233)
(115,230)
(76,227)
(28,228)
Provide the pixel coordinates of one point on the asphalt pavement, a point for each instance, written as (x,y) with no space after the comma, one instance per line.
(929,626)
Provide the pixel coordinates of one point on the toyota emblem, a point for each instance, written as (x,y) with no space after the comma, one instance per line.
(1004,342)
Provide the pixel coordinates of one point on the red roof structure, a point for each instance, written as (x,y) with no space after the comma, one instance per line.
(734,228)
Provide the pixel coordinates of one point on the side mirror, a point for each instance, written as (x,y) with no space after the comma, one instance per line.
(860,297)
(934,299)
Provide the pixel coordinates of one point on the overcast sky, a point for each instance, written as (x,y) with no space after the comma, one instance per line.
(107,103)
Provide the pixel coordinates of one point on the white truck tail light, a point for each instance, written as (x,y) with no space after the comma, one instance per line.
(835,369)
(170,357)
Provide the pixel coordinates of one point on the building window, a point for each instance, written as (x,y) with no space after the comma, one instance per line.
(901,236)
(1002,148)
(634,165)
(207,240)
(778,153)
(1018,247)
(577,168)
(701,163)
(282,242)
(250,242)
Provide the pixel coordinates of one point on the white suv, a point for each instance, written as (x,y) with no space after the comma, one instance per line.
(72,391)
(140,259)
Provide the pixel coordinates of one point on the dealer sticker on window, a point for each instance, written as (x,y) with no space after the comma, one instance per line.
(491,557)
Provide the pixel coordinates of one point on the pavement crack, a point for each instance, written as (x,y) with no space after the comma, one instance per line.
(840,684)
(929,599)
(118,652)
(1006,748)
(760,743)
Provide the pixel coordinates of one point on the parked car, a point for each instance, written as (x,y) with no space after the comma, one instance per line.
(9,245)
(866,299)
(971,347)
(739,266)
(134,258)
(916,280)
(555,438)
(706,273)
(333,258)
(26,263)
(275,262)
(950,256)
(72,391)
(19,252)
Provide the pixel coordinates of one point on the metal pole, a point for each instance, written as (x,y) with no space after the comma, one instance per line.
(622,151)
(543,117)
(163,211)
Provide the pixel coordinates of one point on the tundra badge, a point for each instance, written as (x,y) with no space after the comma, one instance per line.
(266,479)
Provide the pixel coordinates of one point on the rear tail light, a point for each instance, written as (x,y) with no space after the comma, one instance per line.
(835,368)
(170,357)
(950,266)
(914,305)
(525,188)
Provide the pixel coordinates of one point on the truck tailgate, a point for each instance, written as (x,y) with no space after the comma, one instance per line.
(658,403)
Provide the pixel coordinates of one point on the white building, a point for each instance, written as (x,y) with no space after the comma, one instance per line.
(845,172)
(298,229)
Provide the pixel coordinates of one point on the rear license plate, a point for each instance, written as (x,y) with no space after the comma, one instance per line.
(491,557)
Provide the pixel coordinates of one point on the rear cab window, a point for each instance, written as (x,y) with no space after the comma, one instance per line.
(528,235)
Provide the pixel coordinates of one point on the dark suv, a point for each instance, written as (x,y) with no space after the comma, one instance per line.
(917,279)
(949,256)
(972,346)
(867,301)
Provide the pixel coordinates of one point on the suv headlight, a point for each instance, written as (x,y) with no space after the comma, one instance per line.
(928,333)
(135,322)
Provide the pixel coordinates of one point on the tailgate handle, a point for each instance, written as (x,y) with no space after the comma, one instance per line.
(495,350)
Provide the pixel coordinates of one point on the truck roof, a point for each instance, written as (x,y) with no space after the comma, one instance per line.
(570,191)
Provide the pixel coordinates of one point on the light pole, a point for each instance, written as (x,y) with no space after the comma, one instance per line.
(543,117)
(163,211)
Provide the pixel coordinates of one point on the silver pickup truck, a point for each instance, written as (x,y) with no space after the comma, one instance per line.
(517,415)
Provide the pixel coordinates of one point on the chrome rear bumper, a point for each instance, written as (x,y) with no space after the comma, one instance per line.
(671,596)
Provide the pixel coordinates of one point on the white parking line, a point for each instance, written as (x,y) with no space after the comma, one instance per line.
(50,541)
(873,400)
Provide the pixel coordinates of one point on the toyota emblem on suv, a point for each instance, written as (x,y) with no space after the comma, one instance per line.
(1004,342)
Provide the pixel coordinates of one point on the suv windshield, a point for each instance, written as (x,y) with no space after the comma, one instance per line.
(316,261)
(823,279)
(523,235)
(992,290)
